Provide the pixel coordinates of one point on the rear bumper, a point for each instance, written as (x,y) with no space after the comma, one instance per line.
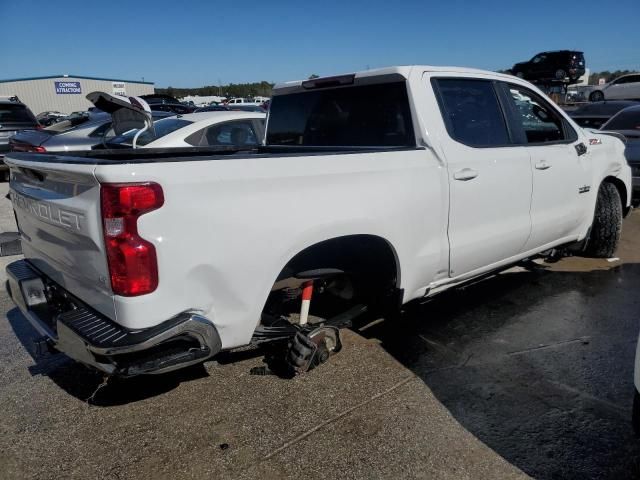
(90,338)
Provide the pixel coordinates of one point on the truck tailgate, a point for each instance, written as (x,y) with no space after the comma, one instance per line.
(57,207)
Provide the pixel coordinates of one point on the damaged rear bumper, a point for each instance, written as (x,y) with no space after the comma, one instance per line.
(72,327)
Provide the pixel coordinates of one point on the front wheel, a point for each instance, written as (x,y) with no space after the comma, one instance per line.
(607,223)
(596,96)
(560,74)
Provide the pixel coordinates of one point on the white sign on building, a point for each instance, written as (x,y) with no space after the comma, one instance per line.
(119,88)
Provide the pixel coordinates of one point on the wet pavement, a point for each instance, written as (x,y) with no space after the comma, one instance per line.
(529,371)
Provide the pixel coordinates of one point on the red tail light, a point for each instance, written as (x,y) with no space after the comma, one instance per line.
(25,147)
(133,265)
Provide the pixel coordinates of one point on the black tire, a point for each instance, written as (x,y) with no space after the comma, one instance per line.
(607,223)
(596,96)
(560,74)
(519,74)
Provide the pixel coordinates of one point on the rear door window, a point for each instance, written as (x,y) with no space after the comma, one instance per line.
(356,116)
(238,133)
(472,112)
(16,113)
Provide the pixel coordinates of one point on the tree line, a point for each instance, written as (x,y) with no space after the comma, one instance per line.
(262,89)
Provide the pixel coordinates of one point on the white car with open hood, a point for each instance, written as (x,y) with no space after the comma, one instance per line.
(135,128)
(370,190)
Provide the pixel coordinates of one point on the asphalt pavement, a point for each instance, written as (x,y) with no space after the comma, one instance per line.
(529,371)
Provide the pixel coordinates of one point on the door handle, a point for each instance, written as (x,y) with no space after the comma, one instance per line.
(465,174)
(542,165)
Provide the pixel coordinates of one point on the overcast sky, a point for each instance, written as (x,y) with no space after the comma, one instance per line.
(195,43)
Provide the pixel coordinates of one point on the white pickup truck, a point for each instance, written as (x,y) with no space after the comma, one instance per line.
(371,190)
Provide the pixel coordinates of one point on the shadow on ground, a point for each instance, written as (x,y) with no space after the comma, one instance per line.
(537,364)
(87,384)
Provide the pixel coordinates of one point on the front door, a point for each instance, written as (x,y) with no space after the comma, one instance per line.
(559,163)
(490,178)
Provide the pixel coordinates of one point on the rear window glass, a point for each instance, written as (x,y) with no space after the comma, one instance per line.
(162,127)
(625,120)
(360,116)
(15,114)
(472,112)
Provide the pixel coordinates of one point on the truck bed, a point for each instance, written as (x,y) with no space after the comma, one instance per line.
(191,154)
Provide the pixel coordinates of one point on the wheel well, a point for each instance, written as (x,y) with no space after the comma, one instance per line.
(367,255)
(622,190)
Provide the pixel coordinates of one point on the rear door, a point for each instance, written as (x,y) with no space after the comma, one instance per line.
(538,65)
(617,90)
(57,208)
(633,87)
(559,163)
(489,177)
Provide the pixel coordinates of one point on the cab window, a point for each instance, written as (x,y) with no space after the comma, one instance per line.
(539,120)
(472,112)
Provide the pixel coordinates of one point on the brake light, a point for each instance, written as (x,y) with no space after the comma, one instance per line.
(133,265)
(25,147)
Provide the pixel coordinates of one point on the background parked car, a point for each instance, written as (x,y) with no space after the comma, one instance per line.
(552,66)
(166,103)
(594,115)
(232,108)
(246,108)
(202,129)
(14,116)
(80,132)
(50,117)
(212,108)
(626,87)
(627,122)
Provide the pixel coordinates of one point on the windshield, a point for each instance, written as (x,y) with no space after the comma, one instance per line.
(74,120)
(16,113)
(162,127)
(625,120)
(605,108)
(369,115)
